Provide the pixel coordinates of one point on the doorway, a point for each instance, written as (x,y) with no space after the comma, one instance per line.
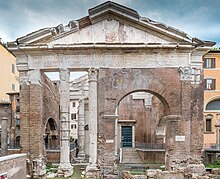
(126,136)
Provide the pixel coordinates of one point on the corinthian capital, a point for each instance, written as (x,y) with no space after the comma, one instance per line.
(185,73)
(64,74)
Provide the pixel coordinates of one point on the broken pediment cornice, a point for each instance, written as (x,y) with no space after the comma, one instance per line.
(44,34)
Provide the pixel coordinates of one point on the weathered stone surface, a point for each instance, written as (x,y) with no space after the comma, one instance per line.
(131,54)
(38,102)
(14,165)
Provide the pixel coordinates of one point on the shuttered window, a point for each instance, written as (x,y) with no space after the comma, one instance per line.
(210,84)
(209,63)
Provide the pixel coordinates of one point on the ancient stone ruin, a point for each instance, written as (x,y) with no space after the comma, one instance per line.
(122,53)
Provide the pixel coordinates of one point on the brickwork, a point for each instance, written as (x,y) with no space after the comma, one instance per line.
(38,101)
(177,97)
(114,84)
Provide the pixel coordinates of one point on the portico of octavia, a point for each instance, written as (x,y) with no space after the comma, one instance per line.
(123,53)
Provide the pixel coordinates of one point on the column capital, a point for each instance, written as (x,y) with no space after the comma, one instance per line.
(64,74)
(34,76)
(185,73)
(93,74)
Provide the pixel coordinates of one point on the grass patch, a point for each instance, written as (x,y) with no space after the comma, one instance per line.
(51,168)
(137,173)
(212,166)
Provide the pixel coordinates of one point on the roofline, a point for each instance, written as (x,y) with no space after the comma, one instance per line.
(97,12)
(7,49)
(105,45)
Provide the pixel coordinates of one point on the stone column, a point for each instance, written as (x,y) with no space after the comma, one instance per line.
(175,145)
(81,131)
(65,168)
(92,119)
(4,137)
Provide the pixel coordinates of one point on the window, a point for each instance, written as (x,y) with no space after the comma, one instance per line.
(209,63)
(73,126)
(17,121)
(208,122)
(13,68)
(73,116)
(74,104)
(213,105)
(208,125)
(13,87)
(210,84)
(17,142)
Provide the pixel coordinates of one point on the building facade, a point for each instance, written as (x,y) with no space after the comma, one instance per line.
(9,75)
(122,53)
(212,97)
(212,103)
(9,97)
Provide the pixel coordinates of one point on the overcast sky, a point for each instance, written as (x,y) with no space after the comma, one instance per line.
(198,18)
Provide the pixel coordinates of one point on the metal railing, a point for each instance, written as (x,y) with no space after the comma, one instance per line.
(146,146)
(152,146)
(211,146)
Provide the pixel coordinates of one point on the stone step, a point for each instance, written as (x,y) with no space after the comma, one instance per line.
(130,155)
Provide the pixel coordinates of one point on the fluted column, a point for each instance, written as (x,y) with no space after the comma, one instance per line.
(65,166)
(93,118)
(81,131)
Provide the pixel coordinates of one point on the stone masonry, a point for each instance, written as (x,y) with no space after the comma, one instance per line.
(138,54)
(39,100)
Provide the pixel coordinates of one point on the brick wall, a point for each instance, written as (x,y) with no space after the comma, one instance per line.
(182,112)
(38,102)
(114,84)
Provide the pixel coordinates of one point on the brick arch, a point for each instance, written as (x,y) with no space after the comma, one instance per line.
(52,123)
(115,84)
(164,83)
(161,98)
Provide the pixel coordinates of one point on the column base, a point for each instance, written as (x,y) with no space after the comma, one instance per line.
(39,168)
(65,170)
(92,171)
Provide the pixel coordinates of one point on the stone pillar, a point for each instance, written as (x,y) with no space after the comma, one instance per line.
(175,142)
(92,119)
(4,137)
(81,131)
(65,168)
(186,78)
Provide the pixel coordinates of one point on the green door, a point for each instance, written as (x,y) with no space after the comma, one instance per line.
(126,136)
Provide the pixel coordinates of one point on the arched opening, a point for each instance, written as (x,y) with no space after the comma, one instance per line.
(140,131)
(17,142)
(51,134)
(213,105)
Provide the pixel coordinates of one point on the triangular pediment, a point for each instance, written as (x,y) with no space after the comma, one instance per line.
(110,30)
(109,23)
